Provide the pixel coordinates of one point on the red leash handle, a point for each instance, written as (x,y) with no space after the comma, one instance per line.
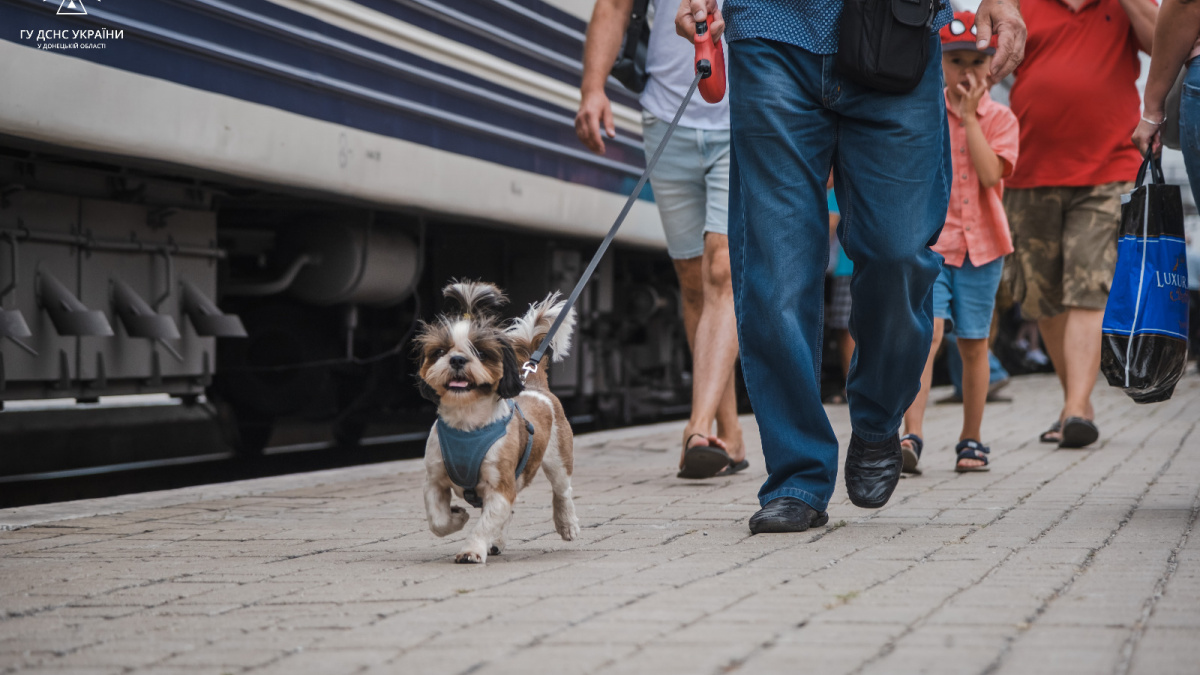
(710,63)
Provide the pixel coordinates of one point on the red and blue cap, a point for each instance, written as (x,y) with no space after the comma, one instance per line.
(960,33)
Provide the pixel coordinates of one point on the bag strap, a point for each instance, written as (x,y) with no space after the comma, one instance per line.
(638,22)
(1156,172)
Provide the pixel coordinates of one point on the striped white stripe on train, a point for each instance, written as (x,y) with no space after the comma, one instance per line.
(456,106)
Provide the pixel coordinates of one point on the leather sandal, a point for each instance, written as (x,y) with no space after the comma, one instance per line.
(703,461)
(911,455)
(971,449)
(1078,432)
(1055,428)
(734,467)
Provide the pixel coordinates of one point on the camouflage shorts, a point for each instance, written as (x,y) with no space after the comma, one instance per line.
(1066,246)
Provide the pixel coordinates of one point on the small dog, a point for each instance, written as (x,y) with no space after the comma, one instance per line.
(492,433)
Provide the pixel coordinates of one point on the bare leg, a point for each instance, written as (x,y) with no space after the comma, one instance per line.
(1083,331)
(715,348)
(914,417)
(566,523)
(728,425)
(691,288)
(497,510)
(975,386)
(443,518)
(846,347)
(691,282)
(1053,330)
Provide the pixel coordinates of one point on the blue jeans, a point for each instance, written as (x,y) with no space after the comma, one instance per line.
(1189,125)
(792,119)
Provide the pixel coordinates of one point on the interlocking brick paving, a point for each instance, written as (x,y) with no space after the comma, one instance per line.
(1056,561)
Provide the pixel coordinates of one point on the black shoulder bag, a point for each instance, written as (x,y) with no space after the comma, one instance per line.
(630,67)
(884,44)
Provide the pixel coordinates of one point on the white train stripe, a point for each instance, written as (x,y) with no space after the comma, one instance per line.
(136,116)
(426,44)
(579,8)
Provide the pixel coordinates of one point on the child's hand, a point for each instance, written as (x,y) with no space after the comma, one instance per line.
(969,98)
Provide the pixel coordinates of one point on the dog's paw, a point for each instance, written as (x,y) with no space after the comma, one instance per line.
(442,526)
(569,530)
(458,518)
(469,558)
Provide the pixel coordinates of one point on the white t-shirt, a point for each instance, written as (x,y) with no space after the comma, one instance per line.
(671,62)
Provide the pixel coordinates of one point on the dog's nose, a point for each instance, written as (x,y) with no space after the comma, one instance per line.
(457,362)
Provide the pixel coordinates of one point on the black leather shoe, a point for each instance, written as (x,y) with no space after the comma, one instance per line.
(872,471)
(786,514)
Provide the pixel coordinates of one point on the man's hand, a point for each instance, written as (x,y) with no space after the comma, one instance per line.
(595,111)
(1147,134)
(1003,19)
(692,12)
(604,34)
(968,104)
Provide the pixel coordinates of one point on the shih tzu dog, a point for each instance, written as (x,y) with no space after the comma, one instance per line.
(492,432)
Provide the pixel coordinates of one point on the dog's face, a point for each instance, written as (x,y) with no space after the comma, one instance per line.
(464,359)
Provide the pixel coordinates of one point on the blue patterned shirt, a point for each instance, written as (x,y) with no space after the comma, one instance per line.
(809,24)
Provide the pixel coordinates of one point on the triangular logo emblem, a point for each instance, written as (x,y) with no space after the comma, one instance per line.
(72,7)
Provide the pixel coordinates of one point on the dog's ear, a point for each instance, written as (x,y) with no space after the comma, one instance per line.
(427,392)
(510,382)
(473,297)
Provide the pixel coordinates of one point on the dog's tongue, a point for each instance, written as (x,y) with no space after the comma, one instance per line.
(459,384)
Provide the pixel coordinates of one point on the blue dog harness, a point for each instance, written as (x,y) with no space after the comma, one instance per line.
(463,451)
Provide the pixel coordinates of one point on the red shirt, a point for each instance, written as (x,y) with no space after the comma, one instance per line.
(975,222)
(1076,96)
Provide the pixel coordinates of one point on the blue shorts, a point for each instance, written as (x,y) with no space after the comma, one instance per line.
(690,183)
(965,297)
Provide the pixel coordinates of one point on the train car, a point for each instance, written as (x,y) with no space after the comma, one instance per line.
(220,220)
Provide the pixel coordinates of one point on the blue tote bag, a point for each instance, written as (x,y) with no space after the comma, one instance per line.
(1144,348)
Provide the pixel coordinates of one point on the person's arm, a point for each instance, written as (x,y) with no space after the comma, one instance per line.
(604,35)
(1142,16)
(988,165)
(1001,18)
(1176,32)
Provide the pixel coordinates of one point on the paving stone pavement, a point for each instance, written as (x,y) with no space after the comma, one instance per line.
(1056,561)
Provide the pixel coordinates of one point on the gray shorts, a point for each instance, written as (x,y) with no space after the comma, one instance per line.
(690,184)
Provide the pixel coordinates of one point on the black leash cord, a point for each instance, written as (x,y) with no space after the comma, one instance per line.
(531,365)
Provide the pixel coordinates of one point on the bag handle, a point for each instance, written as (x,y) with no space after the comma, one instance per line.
(1156,172)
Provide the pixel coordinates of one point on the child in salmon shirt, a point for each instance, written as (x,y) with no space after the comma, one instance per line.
(983,142)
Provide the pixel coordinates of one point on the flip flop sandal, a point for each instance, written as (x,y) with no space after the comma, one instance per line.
(702,461)
(1055,428)
(911,455)
(971,449)
(1078,432)
(734,468)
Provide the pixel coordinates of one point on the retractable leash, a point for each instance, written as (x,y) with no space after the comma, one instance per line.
(710,79)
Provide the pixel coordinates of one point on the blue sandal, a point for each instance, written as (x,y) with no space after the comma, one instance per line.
(971,449)
(911,455)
